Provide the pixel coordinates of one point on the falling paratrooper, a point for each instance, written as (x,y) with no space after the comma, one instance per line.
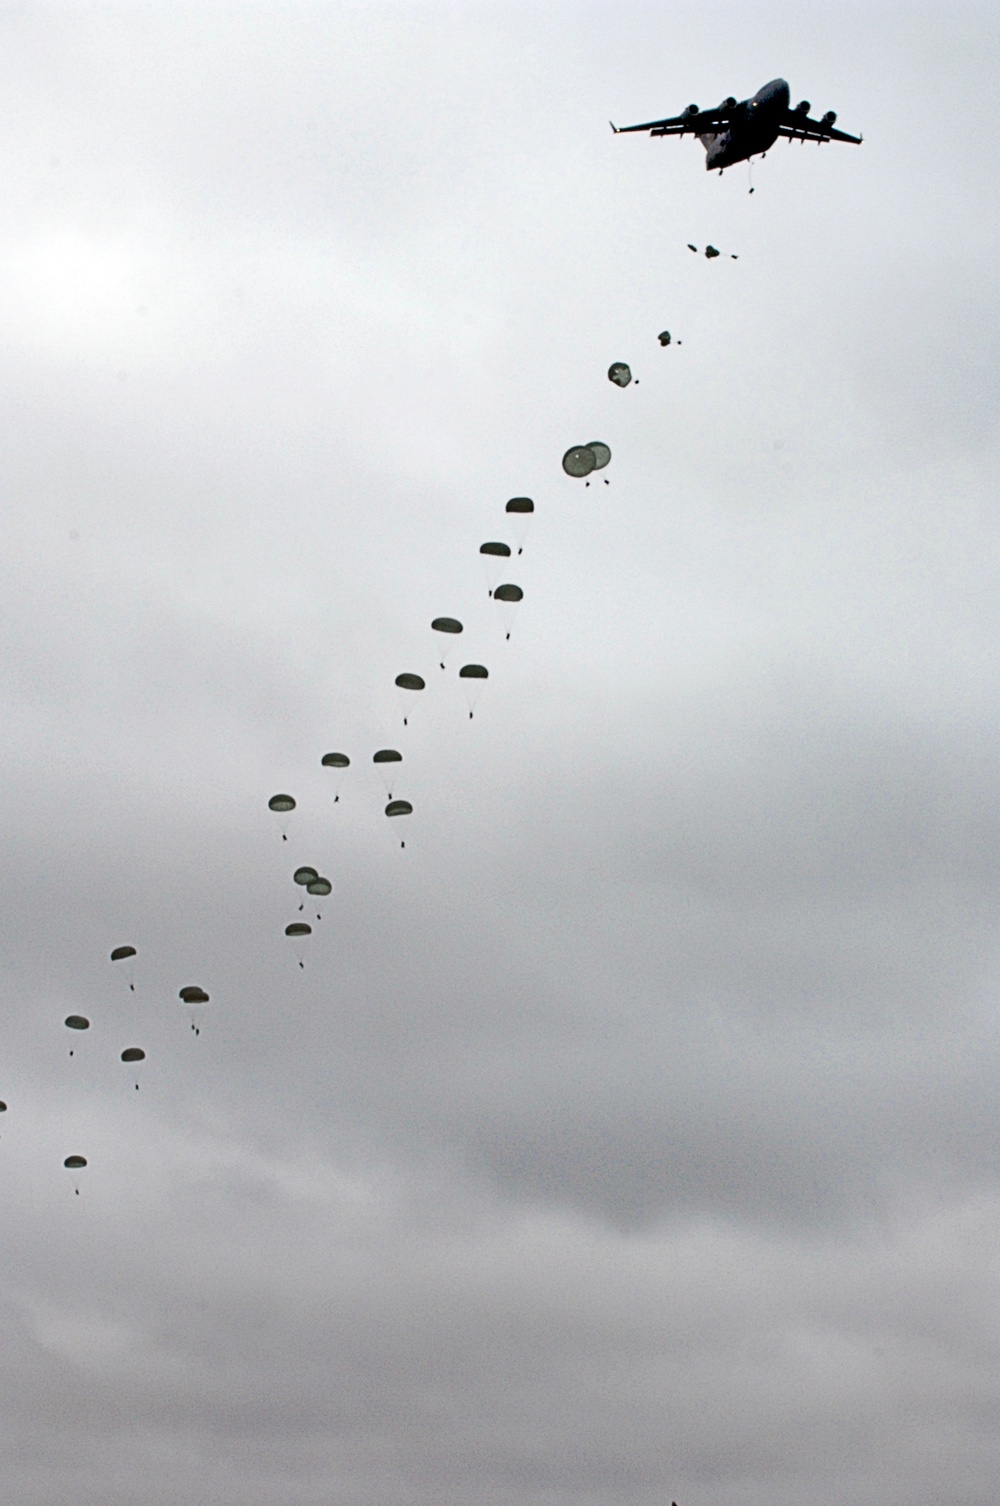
(75,1163)
(386,758)
(450,626)
(134,1054)
(335,761)
(409,682)
(298,931)
(473,674)
(399,808)
(493,549)
(76,1022)
(125,954)
(282,805)
(522,507)
(508,595)
(193,997)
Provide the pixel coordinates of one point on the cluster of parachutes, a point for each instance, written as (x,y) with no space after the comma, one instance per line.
(579,462)
(507,595)
(191,995)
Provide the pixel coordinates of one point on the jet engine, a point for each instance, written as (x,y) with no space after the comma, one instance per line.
(728,104)
(691,110)
(829,118)
(803,107)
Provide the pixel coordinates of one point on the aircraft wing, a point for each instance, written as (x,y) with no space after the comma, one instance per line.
(698,122)
(800,128)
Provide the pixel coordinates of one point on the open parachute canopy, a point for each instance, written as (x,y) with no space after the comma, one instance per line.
(502,551)
(580,460)
(320,886)
(520,504)
(473,672)
(281,803)
(601,453)
(446,625)
(619,373)
(399,808)
(133,1054)
(121,952)
(75,1163)
(76,1022)
(410,682)
(387,755)
(299,928)
(508,593)
(664,337)
(192,994)
(335,761)
(305,876)
(3,1107)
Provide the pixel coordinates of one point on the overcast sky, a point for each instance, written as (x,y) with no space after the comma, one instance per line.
(632,1136)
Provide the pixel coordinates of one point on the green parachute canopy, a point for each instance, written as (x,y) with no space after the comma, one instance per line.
(619,373)
(335,761)
(711,252)
(387,755)
(399,808)
(75,1163)
(446,625)
(305,875)
(579,461)
(409,682)
(508,593)
(121,952)
(601,453)
(502,551)
(520,504)
(473,672)
(281,803)
(3,1107)
(192,994)
(76,1022)
(298,928)
(133,1054)
(664,337)
(320,886)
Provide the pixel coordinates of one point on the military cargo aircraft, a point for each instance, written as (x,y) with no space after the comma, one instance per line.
(737,130)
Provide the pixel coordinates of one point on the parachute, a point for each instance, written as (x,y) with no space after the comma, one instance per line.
(320,886)
(335,761)
(409,682)
(76,1022)
(134,1054)
(524,507)
(509,596)
(124,954)
(711,252)
(619,373)
(474,673)
(386,758)
(601,453)
(193,995)
(580,460)
(493,550)
(75,1163)
(399,808)
(450,625)
(282,805)
(305,876)
(664,337)
(298,931)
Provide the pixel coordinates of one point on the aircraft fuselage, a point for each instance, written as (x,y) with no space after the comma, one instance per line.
(752,129)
